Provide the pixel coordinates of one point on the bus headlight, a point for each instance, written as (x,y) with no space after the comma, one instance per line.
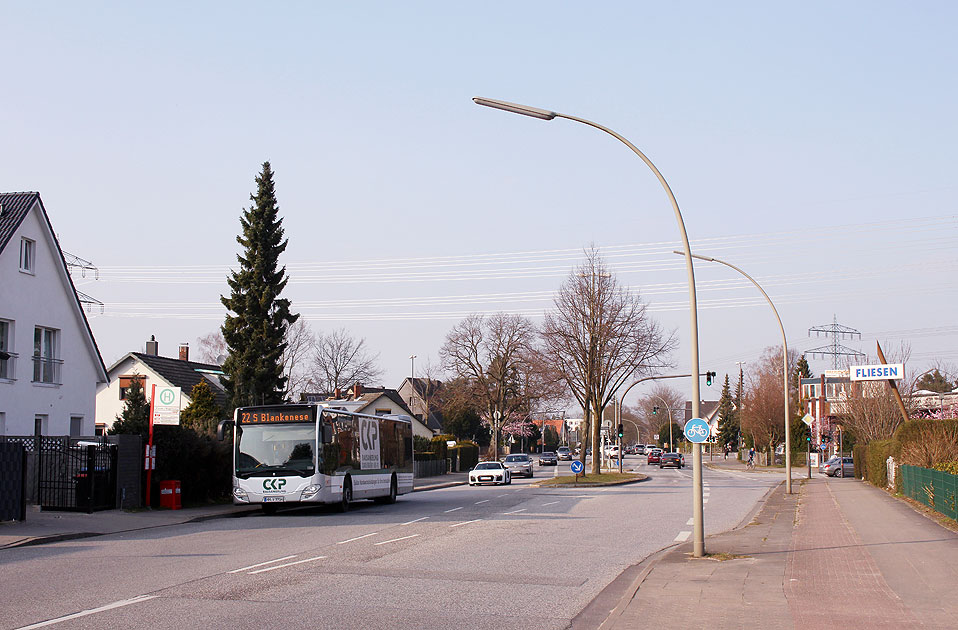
(239,494)
(310,491)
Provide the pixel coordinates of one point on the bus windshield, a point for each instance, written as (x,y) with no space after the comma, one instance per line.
(264,449)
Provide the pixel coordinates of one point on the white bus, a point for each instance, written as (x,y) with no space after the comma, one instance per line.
(295,454)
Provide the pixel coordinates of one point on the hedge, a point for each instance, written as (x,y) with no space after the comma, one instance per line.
(468,454)
(201,464)
(860,457)
(876,467)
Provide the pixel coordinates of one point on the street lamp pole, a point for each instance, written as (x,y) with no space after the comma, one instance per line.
(698,512)
(788,437)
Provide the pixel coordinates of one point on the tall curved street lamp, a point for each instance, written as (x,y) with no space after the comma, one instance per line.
(788,433)
(698,527)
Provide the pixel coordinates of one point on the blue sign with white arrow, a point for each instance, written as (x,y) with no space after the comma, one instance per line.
(577,467)
(697,430)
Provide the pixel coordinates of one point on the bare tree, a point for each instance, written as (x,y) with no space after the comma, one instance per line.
(869,408)
(300,342)
(492,353)
(339,360)
(763,402)
(599,336)
(654,408)
(212,348)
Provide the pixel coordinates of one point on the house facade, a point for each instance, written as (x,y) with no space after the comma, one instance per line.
(50,365)
(420,394)
(150,368)
(374,401)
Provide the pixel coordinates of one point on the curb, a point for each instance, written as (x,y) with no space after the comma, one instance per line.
(440,486)
(641,477)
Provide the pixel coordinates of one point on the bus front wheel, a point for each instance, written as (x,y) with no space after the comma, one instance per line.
(347,495)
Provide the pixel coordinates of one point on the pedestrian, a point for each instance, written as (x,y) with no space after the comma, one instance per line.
(726,451)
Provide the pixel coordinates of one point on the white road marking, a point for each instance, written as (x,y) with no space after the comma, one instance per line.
(483,501)
(705,500)
(515,511)
(502,495)
(343,542)
(550,503)
(683,536)
(253,566)
(415,521)
(92,611)
(283,566)
(691,521)
(466,523)
(386,542)
(452,510)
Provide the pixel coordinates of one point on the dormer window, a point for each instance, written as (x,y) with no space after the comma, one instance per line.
(28,254)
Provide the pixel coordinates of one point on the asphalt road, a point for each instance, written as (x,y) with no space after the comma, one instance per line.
(464,557)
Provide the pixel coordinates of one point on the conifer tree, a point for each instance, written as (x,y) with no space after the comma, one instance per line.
(202,414)
(135,417)
(256,329)
(728,422)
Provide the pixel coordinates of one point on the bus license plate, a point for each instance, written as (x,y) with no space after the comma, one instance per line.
(273,499)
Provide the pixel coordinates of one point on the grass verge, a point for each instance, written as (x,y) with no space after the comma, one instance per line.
(602,479)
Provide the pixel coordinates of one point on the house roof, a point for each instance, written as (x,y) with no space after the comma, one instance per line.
(185,374)
(707,409)
(14,208)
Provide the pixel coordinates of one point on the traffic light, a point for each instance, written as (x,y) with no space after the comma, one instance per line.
(708,378)
(655,410)
(621,431)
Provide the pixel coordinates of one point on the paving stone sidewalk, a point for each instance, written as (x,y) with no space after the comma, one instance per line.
(838,553)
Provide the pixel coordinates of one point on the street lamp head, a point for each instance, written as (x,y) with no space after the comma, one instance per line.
(515,108)
(707,258)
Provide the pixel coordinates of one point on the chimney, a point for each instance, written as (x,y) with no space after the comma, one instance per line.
(153,347)
(357,391)
(184,352)
(337,394)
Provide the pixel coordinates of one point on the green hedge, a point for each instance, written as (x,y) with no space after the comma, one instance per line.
(201,464)
(876,467)
(860,456)
(468,454)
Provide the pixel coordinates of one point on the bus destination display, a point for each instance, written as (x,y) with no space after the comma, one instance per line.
(266,416)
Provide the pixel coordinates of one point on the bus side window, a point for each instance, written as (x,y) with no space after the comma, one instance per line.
(327,436)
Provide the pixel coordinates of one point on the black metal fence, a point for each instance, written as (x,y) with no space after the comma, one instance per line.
(13,500)
(430,468)
(75,475)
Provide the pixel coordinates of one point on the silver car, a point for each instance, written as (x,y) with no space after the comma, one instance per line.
(839,467)
(489,472)
(520,464)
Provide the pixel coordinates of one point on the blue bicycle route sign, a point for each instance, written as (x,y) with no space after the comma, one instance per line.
(697,430)
(577,467)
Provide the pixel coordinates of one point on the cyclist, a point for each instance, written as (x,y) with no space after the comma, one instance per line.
(751,458)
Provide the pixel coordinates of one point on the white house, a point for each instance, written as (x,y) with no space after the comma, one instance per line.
(50,365)
(152,369)
(375,401)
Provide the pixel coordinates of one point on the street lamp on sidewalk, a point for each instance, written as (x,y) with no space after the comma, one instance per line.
(698,527)
(788,436)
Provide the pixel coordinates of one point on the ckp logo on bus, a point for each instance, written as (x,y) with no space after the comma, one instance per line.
(273,484)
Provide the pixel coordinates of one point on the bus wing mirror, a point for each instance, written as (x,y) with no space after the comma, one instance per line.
(327,434)
(221,429)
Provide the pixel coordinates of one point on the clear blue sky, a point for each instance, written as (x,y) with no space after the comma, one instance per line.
(813,145)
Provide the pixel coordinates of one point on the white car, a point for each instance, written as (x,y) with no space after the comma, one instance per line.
(490,472)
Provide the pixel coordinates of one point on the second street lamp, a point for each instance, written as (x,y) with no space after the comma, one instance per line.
(698,513)
(788,438)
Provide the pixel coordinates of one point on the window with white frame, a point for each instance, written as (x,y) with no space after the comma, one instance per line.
(28,255)
(7,358)
(76,426)
(46,355)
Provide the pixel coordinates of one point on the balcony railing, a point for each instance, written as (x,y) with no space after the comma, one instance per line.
(8,367)
(46,370)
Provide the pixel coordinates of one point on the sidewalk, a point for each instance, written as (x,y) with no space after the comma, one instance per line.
(838,552)
(45,527)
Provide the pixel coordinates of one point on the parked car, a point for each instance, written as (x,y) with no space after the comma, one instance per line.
(671,459)
(655,456)
(548,458)
(612,451)
(520,464)
(490,472)
(564,454)
(840,467)
(640,449)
